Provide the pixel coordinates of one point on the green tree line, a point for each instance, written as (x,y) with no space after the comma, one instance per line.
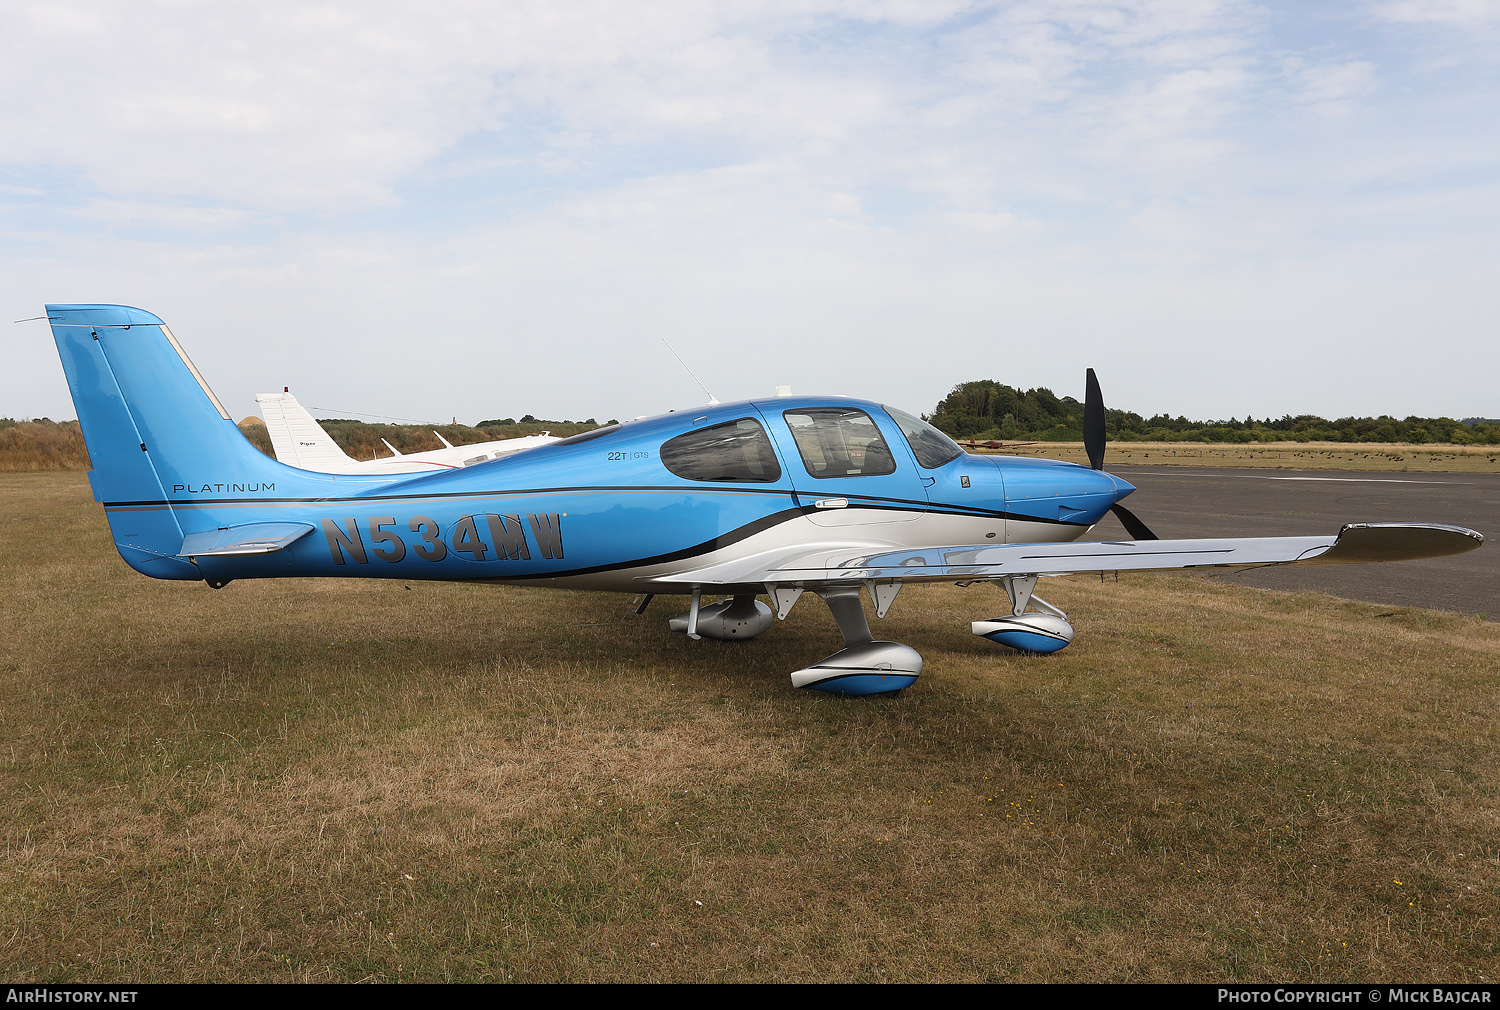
(43,444)
(362,440)
(986,409)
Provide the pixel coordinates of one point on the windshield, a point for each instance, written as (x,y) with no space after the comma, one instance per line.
(931,447)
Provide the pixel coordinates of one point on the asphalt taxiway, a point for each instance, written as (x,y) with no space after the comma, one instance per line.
(1191,502)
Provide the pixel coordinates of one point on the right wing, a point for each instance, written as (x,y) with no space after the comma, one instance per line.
(1355,543)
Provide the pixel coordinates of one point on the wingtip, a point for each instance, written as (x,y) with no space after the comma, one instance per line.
(1399,541)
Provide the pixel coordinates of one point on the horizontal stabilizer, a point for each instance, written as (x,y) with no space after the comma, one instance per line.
(238,541)
(1355,543)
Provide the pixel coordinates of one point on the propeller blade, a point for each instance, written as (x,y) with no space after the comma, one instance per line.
(1137,529)
(1093,421)
(1093,444)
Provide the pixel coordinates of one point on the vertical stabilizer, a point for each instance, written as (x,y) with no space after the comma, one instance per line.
(160,442)
(122,467)
(298,439)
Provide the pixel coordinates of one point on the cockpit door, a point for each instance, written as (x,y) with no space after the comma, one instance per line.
(849,465)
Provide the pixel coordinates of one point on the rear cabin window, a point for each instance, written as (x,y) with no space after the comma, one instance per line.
(839,442)
(733,451)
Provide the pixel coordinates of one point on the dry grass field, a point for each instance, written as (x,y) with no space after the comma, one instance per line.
(1281,455)
(369,781)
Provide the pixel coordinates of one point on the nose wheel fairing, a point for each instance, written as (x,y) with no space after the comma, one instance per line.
(1039,633)
(1042,631)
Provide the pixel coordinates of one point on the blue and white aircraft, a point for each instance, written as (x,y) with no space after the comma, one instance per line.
(769,497)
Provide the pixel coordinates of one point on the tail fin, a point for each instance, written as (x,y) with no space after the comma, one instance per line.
(160,442)
(299,440)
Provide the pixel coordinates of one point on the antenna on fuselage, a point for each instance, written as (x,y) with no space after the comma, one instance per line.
(712,400)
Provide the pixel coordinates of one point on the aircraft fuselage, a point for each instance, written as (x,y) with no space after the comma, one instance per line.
(605,511)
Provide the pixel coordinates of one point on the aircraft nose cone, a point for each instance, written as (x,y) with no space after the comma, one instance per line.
(1123,487)
(1101,483)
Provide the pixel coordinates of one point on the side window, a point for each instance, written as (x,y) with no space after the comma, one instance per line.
(931,447)
(839,442)
(734,451)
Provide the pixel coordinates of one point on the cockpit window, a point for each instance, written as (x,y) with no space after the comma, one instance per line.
(931,447)
(733,451)
(839,442)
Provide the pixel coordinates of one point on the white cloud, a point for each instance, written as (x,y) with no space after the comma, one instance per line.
(1331,89)
(1455,12)
(285,105)
(434,209)
(164,215)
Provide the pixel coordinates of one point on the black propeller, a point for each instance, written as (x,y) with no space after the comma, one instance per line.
(1093,444)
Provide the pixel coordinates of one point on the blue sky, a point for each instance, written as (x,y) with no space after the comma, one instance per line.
(486,210)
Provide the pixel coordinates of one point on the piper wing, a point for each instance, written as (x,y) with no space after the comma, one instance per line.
(1355,543)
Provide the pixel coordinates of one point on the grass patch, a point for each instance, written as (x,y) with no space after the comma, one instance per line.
(356,780)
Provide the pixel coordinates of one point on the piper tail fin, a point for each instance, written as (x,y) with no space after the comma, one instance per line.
(298,439)
(159,440)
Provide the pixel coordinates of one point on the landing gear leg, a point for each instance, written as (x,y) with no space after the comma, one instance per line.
(863,666)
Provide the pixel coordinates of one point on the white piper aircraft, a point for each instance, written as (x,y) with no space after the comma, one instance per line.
(301,441)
